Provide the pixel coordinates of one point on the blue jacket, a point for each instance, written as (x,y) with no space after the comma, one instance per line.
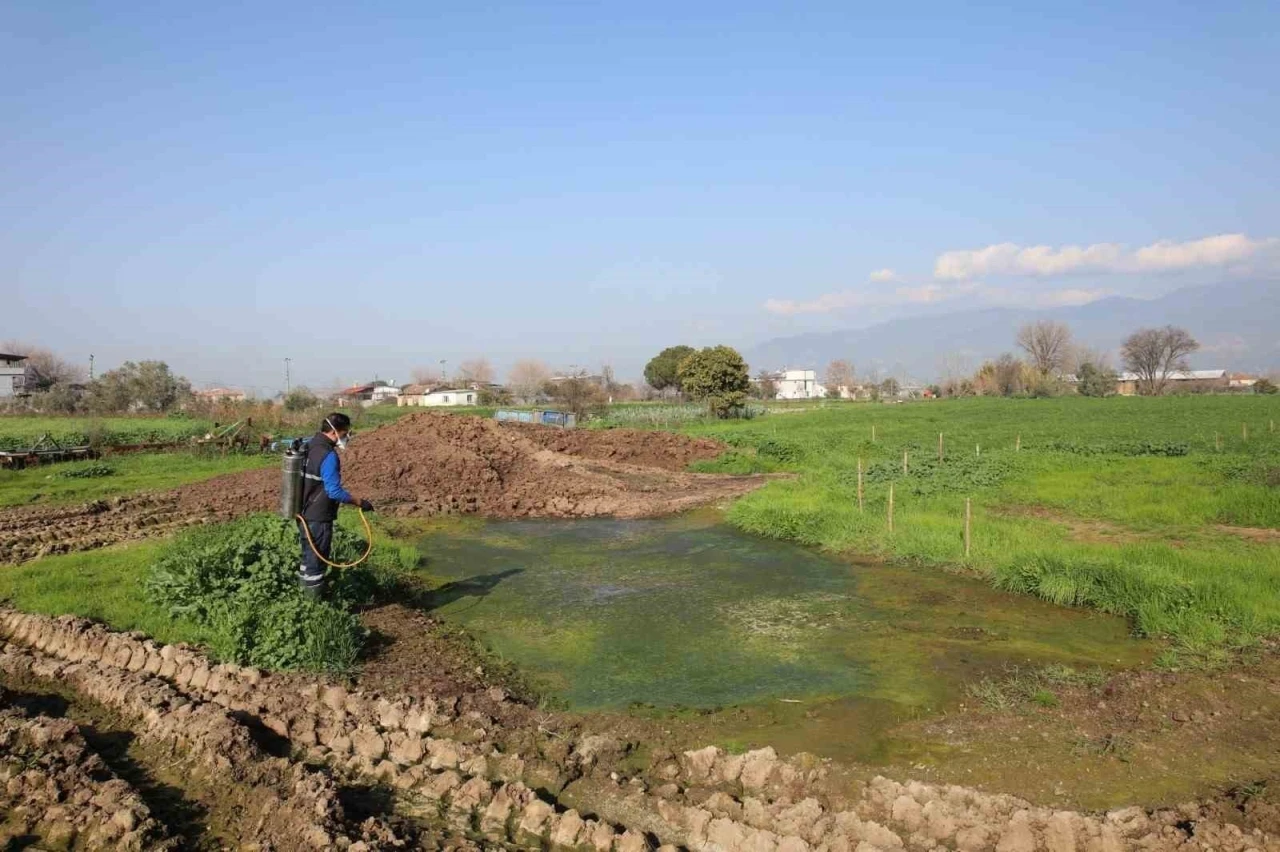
(322,490)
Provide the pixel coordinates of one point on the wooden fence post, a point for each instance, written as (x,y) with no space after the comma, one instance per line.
(977,450)
(968,515)
(890,507)
(1017,443)
(1217,441)
(873,433)
(939,447)
(904,462)
(859,485)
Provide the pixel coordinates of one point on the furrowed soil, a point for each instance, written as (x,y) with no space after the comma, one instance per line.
(421,466)
(231,754)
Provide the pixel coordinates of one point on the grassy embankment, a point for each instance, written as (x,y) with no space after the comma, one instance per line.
(1124,505)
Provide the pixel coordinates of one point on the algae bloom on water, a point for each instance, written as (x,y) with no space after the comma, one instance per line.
(687,612)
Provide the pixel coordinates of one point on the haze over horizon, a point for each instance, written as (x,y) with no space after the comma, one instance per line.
(225,187)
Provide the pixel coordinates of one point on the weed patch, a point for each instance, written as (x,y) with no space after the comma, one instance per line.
(1021,686)
(239,581)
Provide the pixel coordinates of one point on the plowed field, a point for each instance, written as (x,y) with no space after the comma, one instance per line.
(422,465)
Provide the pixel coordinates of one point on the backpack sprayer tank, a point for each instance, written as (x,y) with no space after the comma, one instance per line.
(295,462)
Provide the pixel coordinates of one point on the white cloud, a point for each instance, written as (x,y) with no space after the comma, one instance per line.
(1221,250)
(824,304)
(845,299)
(884,275)
(924,293)
(1070,297)
(1111,258)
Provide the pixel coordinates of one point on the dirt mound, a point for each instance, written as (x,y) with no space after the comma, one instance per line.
(439,463)
(630,446)
(422,465)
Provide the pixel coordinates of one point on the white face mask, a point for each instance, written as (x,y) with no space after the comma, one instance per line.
(341,443)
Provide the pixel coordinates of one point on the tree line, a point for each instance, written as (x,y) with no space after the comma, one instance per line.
(56,385)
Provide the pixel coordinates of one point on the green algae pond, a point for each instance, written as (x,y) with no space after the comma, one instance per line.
(748,640)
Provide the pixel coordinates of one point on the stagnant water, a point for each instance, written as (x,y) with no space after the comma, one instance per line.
(791,646)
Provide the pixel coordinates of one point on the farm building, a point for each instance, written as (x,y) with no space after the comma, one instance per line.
(387,393)
(365,395)
(1180,381)
(218,395)
(12,372)
(798,384)
(428,396)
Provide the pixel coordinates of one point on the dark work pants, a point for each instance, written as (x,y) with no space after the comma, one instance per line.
(311,571)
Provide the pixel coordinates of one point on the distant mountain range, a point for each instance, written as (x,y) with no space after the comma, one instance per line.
(1237,324)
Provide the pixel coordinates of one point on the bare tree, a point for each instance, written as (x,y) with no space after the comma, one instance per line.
(44,368)
(955,366)
(425,375)
(1047,344)
(475,370)
(1154,353)
(527,377)
(839,375)
(765,385)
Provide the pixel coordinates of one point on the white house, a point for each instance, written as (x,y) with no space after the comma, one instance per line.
(384,393)
(425,395)
(799,384)
(12,371)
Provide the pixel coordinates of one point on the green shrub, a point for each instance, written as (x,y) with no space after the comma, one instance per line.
(782,451)
(240,581)
(1122,448)
(96,470)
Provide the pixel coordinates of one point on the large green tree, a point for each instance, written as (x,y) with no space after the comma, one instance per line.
(718,376)
(1095,379)
(141,386)
(663,370)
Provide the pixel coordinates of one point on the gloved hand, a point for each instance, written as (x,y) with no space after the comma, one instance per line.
(366,506)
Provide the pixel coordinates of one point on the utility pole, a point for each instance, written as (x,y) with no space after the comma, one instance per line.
(443,378)
(90,366)
(288,383)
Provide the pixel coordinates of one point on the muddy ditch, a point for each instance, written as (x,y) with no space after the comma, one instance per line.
(422,465)
(515,779)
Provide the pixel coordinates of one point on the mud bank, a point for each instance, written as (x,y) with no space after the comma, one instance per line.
(466,773)
(423,465)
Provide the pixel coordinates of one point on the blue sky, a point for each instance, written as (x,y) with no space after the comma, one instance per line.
(366,190)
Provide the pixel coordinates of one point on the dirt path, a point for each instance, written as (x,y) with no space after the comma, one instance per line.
(422,465)
(323,765)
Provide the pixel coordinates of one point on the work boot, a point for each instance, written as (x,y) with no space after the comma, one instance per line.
(312,585)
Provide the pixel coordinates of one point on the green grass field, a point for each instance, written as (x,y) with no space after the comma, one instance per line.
(1160,510)
(21,430)
(123,474)
(105,585)
(1125,505)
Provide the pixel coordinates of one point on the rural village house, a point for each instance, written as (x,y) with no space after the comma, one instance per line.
(219,395)
(12,372)
(1180,381)
(429,396)
(798,384)
(365,395)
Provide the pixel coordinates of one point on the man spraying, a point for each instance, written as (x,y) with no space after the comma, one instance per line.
(322,494)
